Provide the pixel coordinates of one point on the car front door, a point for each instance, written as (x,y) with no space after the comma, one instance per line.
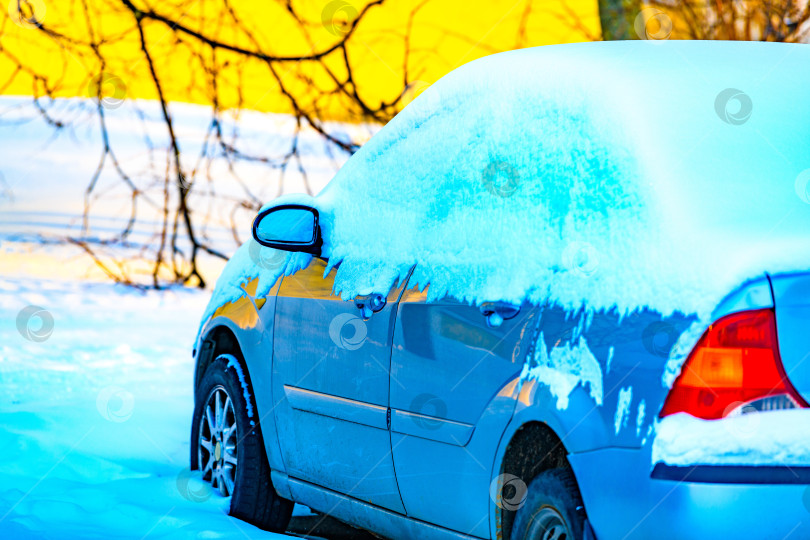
(453,391)
(331,364)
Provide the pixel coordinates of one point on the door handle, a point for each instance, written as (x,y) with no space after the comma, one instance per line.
(369,304)
(497,312)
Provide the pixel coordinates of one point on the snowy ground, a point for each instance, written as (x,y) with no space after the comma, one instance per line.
(95,416)
(96,379)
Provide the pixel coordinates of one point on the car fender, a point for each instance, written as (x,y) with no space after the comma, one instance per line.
(251,323)
(578,426)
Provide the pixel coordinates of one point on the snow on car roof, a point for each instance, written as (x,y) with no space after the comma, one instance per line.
(619,174)
(607,175)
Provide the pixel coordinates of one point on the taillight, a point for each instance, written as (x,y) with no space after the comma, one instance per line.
(735,368)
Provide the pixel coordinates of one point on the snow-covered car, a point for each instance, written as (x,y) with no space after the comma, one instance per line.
(564,294)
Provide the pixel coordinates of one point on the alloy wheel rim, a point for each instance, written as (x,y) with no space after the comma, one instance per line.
(216,451)
(549,525)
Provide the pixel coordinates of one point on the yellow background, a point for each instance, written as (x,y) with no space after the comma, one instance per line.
(445,34)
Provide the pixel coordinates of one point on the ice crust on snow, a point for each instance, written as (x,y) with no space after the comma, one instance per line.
(764,438)
(564,368)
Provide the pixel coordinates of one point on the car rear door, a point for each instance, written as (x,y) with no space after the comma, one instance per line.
(330,387)
(453,391)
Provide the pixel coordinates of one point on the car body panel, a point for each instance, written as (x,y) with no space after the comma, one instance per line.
(612,476)
(244,311)
(339,408)
(443,445)
(632,352)
(753,294)
(619,478)
(325,356)
(453,390)
(256,344)
(792,300)
(360,514)
(420,425)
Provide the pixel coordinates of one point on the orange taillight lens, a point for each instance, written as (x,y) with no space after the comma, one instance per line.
(735,362)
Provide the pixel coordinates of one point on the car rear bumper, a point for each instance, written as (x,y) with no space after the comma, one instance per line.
(625,501)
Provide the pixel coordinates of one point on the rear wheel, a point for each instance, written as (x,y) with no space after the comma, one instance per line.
(227,446)
(553,509)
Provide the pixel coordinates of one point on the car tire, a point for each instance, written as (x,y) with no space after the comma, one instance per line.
(253,498)
(552,509)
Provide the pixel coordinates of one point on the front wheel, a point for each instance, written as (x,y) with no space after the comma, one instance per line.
(552,510)
(217,452)
(227,446)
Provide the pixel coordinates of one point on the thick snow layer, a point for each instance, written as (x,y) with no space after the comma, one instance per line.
(564,368)
(597,174)
(767,438)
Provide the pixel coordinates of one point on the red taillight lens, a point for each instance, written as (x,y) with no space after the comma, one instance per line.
(734,365)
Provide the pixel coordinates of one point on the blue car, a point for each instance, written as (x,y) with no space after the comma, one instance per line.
(564,294)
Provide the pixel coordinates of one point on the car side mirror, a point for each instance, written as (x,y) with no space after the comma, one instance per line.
(289,227)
